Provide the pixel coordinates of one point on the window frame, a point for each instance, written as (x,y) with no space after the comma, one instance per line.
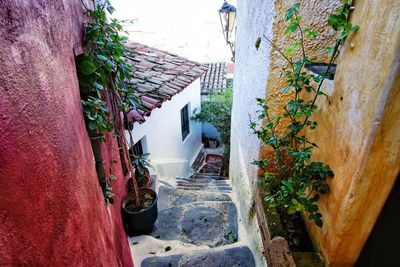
(137,148)
(185,121)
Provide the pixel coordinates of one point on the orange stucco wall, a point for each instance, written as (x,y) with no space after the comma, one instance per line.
(359,132)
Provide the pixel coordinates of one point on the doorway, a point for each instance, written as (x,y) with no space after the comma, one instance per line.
(382,248)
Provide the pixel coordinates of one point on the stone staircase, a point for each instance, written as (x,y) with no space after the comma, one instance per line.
(197,226)
(204,182)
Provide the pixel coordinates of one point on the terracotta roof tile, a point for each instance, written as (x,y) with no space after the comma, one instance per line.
(157,77)
(214,78)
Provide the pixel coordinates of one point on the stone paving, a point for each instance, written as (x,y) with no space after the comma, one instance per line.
(197,226)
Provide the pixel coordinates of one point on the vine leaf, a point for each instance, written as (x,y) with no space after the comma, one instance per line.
(258,43)
(87,67)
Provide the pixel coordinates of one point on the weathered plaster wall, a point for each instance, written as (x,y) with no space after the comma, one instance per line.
(52,209)
(315,14)
(254,18)
(359,133)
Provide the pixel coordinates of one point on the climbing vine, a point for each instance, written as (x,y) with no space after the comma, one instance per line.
(103,74)
(293,181)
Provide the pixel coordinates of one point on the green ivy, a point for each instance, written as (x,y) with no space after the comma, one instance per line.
(96,112)
(102,66)
(103,73)
(293,182)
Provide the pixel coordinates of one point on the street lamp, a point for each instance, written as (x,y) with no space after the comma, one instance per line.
(227,16)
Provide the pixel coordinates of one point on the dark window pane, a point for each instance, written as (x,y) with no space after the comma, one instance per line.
(137,149)
(185,121)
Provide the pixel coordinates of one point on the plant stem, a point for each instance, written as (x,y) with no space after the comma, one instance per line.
(280,52)
(301,39)
(333,57)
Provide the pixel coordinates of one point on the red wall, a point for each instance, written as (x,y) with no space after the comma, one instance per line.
(52,209)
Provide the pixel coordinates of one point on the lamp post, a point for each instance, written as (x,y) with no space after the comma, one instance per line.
(227,16)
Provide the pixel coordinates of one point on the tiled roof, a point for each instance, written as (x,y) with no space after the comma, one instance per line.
(214,78)
(157,77)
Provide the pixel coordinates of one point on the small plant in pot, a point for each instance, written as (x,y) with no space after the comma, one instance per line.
(142,174)
(139,212)
(139,207)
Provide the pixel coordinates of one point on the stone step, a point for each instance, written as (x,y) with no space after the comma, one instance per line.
(215,190)
(229,257)
(171,197)
(205,186)
(220,186)
(201,180)
(211,224)
(214,176)
(203,183)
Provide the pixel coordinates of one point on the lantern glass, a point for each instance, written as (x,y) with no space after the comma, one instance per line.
(231,20)
(227,15)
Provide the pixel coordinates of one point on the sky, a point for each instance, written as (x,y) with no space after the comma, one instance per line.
(189,28)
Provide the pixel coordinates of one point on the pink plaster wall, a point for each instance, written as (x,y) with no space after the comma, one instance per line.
(52,211)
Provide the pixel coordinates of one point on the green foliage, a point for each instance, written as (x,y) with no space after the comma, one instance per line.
(107,192)
(230,236)
(293,181)
(96,112)
(103,67)
(339,21)
(258,43)
(141,163)
(103,74)
(217,112)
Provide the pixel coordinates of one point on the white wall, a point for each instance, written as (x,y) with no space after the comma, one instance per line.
(254,18)
(163,136)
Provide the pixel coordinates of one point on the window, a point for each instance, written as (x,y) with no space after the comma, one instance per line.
(185,121)
(137,149)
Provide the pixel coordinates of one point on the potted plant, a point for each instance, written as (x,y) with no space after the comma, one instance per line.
(141,164)
(139,207)
(140,214)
